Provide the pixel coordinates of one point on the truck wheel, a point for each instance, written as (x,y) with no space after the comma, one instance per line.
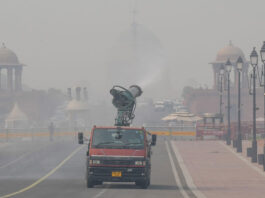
(144,183)
(89,183)
(98,182)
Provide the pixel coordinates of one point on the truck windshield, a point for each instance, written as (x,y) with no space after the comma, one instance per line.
(118,138)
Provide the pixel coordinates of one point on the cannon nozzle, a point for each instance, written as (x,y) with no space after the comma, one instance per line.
(124,100)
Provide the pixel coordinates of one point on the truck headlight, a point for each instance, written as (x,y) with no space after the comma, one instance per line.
(94,161)
(140,163)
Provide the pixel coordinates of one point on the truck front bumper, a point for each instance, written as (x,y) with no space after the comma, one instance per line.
(128,174)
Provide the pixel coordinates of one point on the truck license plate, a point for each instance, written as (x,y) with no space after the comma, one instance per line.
(116,174)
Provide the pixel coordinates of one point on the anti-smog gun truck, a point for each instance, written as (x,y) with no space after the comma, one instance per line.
(120,153)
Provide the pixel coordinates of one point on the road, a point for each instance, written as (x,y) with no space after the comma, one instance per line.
(57,169)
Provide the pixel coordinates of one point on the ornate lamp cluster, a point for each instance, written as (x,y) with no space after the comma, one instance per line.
(254,61)
(257,72)
(228,69)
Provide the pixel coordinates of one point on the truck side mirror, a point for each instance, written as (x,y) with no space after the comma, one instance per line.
(87,153)
(153,143)
(80,138)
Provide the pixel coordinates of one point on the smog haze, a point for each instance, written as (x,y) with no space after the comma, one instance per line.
(65,42)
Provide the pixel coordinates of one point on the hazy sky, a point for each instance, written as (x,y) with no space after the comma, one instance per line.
(65,41)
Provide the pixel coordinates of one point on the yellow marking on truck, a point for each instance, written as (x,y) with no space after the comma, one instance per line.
(116,174)
(46,176)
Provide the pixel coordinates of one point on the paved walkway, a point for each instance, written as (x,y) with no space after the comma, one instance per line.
(218,172)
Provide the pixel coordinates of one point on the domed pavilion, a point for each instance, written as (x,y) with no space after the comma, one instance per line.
(200,101)
(9,62)
(232,53)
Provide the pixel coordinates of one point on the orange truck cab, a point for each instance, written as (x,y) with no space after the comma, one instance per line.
(119,154)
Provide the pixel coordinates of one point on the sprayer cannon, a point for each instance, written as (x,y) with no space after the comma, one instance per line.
(125,102)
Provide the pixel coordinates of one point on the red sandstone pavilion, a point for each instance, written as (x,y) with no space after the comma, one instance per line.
(200,101)
(9,62)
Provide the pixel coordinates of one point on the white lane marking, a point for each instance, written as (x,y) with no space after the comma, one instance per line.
(100,193)
(12,162)
(22,156)
(186,173)
(240,156)
(181,189)
(46,176)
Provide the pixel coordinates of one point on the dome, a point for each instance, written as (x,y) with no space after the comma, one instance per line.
(230,52)
(75,105)
(8,57)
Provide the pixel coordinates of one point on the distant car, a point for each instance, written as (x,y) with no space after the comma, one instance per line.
(159,106)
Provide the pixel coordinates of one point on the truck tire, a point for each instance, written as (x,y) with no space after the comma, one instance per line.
(143,183)
(89,183)
(98,182)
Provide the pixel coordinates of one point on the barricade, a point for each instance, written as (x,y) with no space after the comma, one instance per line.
(187,132)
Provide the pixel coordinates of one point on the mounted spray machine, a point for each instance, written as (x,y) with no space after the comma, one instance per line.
(121,153)
(125,102)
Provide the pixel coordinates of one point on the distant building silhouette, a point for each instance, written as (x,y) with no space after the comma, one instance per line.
(17,105)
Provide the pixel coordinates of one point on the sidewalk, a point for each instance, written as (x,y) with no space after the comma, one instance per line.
(219,173)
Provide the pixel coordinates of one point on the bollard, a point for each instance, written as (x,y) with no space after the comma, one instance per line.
(249,152)
(260,159)
(80,138)
(263,157)
(51,131)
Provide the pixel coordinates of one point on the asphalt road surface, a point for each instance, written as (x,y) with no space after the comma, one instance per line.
(33,169)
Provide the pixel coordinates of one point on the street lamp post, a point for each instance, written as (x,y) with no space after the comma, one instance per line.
(239,65)
(228,67)
(222,70)
(262,55)
(254,63)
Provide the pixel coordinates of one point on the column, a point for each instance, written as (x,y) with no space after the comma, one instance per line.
(10,78)
(18,78)
(214,78)
(244,76)
(0,78)
(235,76)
